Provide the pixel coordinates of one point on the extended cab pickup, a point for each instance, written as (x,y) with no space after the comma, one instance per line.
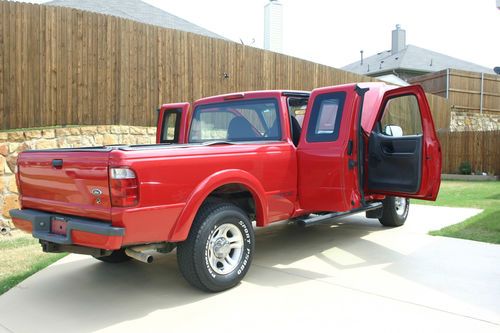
(260,156)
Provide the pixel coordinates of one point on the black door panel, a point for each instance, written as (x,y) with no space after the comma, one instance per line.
(394,163)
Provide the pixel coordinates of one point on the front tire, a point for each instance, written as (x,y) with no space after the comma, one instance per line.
(395,211)
(219,249)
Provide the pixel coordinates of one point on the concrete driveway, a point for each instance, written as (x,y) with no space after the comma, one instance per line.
(348,276)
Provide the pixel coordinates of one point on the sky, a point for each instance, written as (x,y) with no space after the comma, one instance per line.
(333,32)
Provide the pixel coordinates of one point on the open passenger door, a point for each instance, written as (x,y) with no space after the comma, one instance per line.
(172,123)
(404,154)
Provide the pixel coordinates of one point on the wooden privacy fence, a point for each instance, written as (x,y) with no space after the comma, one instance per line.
(480,149)
(61,66)
(466,91)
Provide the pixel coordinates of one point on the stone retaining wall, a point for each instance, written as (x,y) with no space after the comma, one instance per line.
(13,142)
(469,121)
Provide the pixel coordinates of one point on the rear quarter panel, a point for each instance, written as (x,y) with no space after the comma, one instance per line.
(171,180)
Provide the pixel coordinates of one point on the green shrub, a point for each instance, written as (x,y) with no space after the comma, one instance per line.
(465,168)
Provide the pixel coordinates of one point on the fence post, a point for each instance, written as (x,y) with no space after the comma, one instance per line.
(482,93)
(447,82)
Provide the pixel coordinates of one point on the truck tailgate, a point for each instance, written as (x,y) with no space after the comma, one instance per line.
(73,182)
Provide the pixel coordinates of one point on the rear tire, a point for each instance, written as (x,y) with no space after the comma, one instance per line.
(219,249)
(394,211)
(118,256)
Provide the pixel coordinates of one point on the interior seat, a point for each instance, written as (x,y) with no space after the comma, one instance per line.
(240,129)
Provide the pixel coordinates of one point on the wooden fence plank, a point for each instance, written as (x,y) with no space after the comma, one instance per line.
(480,149)
(464,89)
(3,59)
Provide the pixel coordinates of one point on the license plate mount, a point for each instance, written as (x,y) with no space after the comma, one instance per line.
(58,226)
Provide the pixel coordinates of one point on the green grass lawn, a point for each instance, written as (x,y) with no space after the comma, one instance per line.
(21,256)
(484,227)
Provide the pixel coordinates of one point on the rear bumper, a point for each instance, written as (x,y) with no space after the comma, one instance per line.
(78,231)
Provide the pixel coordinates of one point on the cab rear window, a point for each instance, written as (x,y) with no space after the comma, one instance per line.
(248,120)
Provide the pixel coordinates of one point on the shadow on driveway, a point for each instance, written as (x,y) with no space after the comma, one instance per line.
(356,254)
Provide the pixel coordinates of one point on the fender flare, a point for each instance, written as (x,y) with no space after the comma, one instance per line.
(183,224)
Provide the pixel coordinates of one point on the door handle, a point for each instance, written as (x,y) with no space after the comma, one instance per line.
(388,148)
(57,163)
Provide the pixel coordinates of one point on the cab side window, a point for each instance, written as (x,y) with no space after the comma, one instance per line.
(171,123)
(401,117)
(324,124)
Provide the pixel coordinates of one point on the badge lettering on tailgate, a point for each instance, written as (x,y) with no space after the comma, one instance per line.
(97,193)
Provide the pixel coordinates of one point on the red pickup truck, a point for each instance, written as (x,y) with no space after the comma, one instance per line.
(260,156)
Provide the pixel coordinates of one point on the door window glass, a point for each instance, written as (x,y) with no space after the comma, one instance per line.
(401,117)
(297,108)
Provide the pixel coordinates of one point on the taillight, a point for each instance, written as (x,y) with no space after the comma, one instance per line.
(123,187)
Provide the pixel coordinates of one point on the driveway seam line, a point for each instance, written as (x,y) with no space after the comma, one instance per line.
(6,328)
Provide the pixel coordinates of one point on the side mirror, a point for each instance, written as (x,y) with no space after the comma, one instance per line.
(393,130)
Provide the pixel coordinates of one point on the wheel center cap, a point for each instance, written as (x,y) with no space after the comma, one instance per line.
(221,248)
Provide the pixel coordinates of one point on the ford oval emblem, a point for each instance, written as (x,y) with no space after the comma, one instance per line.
(97,192)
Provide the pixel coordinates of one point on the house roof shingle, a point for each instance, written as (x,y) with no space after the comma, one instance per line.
(135,10)
(411,58)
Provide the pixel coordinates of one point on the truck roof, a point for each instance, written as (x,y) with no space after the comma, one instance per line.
(252,94)
(377,89)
